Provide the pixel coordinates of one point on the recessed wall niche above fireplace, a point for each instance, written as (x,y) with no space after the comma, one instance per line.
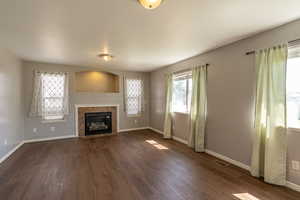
(99,82)
(93,120)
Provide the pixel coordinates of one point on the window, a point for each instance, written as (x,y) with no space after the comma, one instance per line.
(134,96)
(182,89)
(50,98)
(293,88)
(53,95)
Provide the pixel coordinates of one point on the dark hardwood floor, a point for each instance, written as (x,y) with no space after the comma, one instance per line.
(135,165)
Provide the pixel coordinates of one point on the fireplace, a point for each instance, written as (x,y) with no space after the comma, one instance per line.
(104,118)
(98,123)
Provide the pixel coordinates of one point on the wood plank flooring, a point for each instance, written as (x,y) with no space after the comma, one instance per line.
(134,165)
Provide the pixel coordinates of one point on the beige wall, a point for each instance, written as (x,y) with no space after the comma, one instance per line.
(231,80)
(68,127)
(11,102)
(180,129)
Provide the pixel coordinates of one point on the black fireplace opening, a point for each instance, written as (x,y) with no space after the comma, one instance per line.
(98,123)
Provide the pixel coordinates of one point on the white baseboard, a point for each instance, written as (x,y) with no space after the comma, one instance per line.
(133,129)
(293,186)
(234,162)
(290,185)
(179,140)
(11,151)
(227,159)
(156,130)
(173,137)
(50,138)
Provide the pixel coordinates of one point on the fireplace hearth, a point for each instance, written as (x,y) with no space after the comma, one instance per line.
(98,123)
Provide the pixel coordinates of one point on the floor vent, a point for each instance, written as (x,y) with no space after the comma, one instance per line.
(222,163)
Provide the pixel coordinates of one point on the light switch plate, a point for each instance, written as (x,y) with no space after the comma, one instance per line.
(34,130)
(52,128)
(295,165)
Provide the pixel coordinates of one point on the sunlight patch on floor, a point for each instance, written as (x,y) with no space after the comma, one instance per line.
(245,196)
(157,145)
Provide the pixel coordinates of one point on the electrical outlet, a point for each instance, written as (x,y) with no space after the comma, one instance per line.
(5,142)
(52,128)
(34,130)
(135,121)
(295,165)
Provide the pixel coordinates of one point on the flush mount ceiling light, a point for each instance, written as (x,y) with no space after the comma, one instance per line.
(150,4)
(105,56)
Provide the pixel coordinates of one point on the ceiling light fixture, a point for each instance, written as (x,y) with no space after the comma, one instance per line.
(106,56)
(150,4)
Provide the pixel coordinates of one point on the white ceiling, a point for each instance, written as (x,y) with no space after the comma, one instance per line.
(75,31)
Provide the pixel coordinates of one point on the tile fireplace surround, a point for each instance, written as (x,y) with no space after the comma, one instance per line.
(81,109)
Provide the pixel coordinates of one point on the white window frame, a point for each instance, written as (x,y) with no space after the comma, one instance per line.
(293,52)
(53,118)
(186,75)
(139,97)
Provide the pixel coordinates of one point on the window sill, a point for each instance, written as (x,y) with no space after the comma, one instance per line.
(134,116)
(293,129)
(53,121)
(181,113)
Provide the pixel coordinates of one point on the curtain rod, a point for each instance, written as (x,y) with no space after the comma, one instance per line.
(184,70)
(292,41)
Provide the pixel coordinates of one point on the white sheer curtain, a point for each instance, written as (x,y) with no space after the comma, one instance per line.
(50,95)
(168,110)
(198,110)
(270,139)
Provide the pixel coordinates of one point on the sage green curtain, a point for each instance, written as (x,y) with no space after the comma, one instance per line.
(270,139)
(198,109)
(168,111)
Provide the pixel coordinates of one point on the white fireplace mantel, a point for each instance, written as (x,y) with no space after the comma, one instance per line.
(95,105)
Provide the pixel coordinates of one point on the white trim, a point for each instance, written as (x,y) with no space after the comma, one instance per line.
(217,155)
(227,159)
(290,129)
(293,186)
(179,140)
(156,130)
(173,137)
(133,129)
(11,152)
(180,113)
(134,115)
(289,184)
(53,121)
(95,105)
(50,138)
